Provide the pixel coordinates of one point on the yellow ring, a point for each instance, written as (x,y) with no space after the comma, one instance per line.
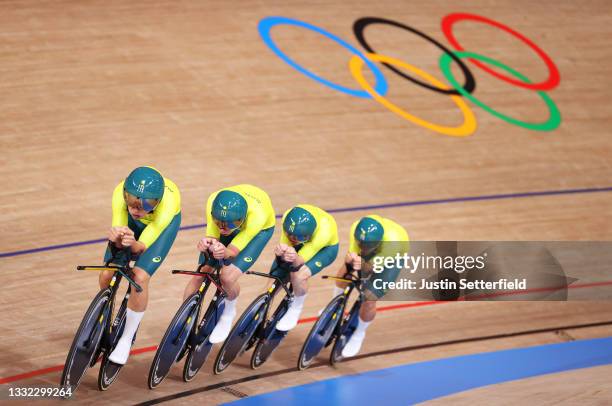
(469,124)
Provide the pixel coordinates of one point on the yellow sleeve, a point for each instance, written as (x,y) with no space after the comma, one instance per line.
(154,229)
(395,240)
(284,239)
(164,214)
(353,247)
(311,248)
(253,227)
(120,212)
(211,228)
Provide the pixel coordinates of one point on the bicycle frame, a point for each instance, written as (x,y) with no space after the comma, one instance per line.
(273,290)
(100,335)
(120,272)
(354,282)
(209,278)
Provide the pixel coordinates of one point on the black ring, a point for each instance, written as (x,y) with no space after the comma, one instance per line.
(359,27)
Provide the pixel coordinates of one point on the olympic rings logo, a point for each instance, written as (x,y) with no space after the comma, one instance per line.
(458,93)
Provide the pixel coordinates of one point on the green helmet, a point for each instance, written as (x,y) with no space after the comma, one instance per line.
(229,208)
(300,224)
(369,232)
(147,185)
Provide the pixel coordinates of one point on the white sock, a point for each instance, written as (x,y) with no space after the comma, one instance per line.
(337,291)
(362,327)
(224,325)
(291,318)
(122,351)
(298,302)
(230,308)
(132,320)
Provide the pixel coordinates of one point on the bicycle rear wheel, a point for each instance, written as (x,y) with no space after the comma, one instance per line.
(108,373)
(271,337)
(201,347)
(108,369)
(321,332)
(174,341)
(242,333)
(86,340)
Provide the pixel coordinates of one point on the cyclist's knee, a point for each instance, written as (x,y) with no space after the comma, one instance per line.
(302,275)
(105,278)
(369,305)
(230,274)
(368,310)
(141,277)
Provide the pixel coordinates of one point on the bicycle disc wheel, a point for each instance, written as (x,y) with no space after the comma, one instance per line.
(108,369)
(108,373)
(199,352)
(271,337)
(86,341)
(349,324)
(241,333)
(174,341)
(321,332)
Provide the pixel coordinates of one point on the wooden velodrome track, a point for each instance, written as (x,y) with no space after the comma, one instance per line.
(92,89)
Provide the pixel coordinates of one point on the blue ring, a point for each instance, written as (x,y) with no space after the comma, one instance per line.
(266,24)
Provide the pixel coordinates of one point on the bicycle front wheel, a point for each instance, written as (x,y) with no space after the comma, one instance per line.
(242,333)
(86,340)
(174,341)
(321,332)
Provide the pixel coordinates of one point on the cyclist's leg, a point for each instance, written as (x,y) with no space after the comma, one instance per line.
(229,279)
(137,304)
(104,278)
(299,282)
(367,313)
(339,286)
(146,265)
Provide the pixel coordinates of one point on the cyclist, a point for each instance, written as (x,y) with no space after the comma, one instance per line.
(309,243)
(240,222)
(370,236)
(146,218)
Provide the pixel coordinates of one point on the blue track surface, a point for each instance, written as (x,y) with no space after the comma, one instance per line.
(413,383)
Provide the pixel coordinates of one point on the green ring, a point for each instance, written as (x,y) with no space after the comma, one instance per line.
(555,116)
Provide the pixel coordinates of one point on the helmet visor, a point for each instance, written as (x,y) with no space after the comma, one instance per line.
(228,225)
(147,205)
(367,247)
(297,238)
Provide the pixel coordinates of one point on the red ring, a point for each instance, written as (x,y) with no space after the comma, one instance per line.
(553,78)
